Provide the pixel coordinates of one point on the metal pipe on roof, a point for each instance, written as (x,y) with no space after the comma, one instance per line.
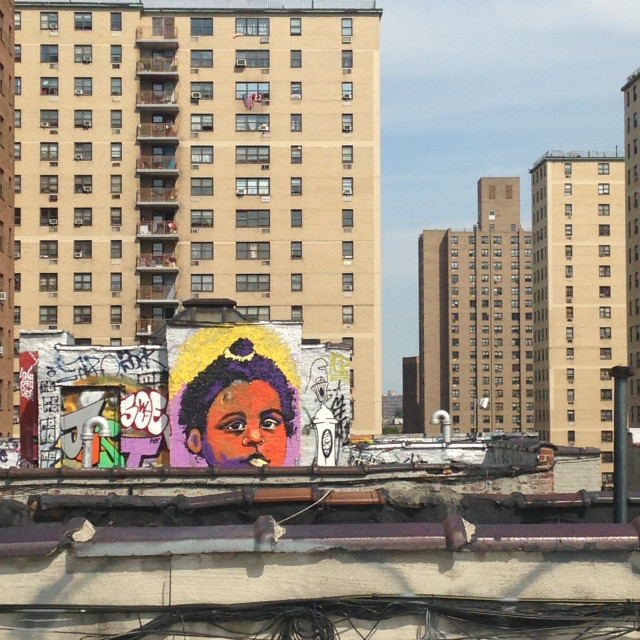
(444,419)
(87,434)
(620,374)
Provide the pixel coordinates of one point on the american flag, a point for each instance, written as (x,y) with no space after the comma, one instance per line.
(247,98)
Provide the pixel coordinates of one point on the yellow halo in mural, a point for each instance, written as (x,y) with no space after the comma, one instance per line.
(205,345)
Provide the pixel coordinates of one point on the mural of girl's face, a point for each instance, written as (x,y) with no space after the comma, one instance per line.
(244,427)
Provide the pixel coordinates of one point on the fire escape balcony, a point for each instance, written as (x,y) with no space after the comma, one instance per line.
(157,294)
(166,100)
(157,262)
(157,197)
(151,229)
(157,67)
(157,165)
(158,132)
(160,36)
(146,326)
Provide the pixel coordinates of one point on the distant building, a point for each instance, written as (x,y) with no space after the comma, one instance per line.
(579,296)
(476,320)
(410,397)
(391,407)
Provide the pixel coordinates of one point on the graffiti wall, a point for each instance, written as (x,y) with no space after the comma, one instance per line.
(28,405)
(326,403)
(235,395)
(9,453)
(125,385)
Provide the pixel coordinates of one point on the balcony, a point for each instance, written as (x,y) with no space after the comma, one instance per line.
(157,132)
(157,197)
(157,262)
(158,36)
(146,326)
(157,230)
(157,165)
(157,100)
(157,67)
(157,294)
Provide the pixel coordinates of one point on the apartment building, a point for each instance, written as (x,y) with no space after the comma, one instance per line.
(476,321)
(194,152)
(579,299)
(632,233)
(6,217)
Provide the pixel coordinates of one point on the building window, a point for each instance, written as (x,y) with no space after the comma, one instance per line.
(48,315)
(48,249)
(48,216)
(17,118)
(253,282)
(116,151)
(259,91)
(296,122)
(347,314)
(347,218)
(116,86)
(296,186)
(605,292)
(82,151)
(347,90)
(604,230)
(252,122)
(253,186)
(604,271)
(202,155)
(201,26)
(571,436)
(347,122)
(606,457)
(202,250)
(116,249)
(201,186)
(253,218)
(347,154)
(82,184)
(202,282)
(83,118)
(296,313)
(252,26)
(605,354)
(116,281)
(296,250)
(201,91)
(347,186)
(605,333)
(295,26)
(255,314)
(82,314)
(17,20)
(49,118)
(48,53)
(82,21)
(347,250)
(253,58)
(116,21)
(606,394)
(201,58)
(48,184)
(116,118)
(49,86)
(253,251)
(603,189)
(296,58)
(347,59)
(116,216)
(347,27)
(606,436)
(603,168)
(296,282)
(604,250)
(568,189)
(82,249)
(604,210)
(296,217)
(17,85)
(82,54)
(115,314)
(201,218)
(201,122)
(82,282)
(48,282)
(347,281)
(116,53)
(296,154)
(253,155)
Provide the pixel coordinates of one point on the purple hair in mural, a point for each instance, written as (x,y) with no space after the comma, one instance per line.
(240,411)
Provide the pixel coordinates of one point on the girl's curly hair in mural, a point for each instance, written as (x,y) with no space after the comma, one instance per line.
(238,363)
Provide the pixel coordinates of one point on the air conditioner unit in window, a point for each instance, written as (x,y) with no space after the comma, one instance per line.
(77,156)
(347,287)
(264,39)
(53,197)
(77,222)
(196,95)
(3,296)
(296,96)
(347,96)
(1,351)
(53,26)
(86,124)
(53,222)
(346,39)
(240,192)
(77,254)
(347,128)
(263,127)
(86,59)
(241,62)
(347,192)
(78,92)
(86,189)
(44,125)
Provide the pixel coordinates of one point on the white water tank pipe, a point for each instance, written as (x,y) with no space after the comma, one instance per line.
(444,419)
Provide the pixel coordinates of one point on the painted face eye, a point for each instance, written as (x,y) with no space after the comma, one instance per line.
(237,426)
(269,424)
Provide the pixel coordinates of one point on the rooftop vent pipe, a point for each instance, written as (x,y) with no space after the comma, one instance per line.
(444,419)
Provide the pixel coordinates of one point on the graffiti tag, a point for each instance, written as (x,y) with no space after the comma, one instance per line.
(145,411)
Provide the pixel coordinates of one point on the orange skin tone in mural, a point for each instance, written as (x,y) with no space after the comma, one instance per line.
(244,426)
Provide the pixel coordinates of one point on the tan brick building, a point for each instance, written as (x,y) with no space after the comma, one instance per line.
(6,216)
(186,153)
(476,333)
(579,296)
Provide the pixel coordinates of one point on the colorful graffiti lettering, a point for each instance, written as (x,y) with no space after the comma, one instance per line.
(240,410)
(145,411)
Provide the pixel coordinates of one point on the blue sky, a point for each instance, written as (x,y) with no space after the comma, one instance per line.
(472,89)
